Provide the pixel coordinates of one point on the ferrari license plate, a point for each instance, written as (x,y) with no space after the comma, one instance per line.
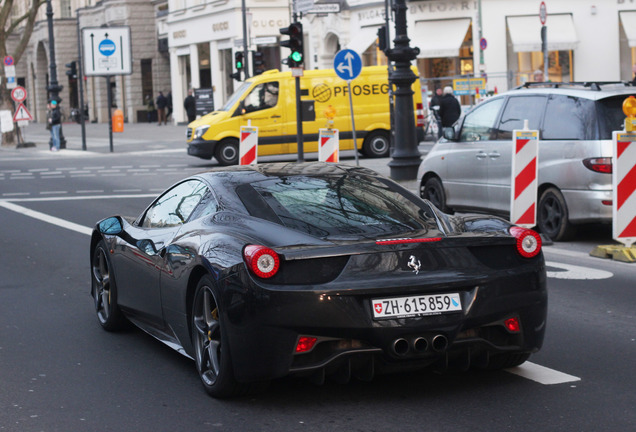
(401,307)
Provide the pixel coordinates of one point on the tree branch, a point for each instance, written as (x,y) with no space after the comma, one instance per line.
(27,30)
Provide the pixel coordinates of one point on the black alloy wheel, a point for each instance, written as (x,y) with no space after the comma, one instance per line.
(552,216)
(433,190)
(212,353)
(104,291)
(227,152)
(377,144)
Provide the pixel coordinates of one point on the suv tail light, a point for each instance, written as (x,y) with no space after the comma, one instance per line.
(601,165)
(528,241)
(420,115)
(261,260)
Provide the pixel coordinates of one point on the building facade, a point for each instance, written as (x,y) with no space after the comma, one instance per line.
(182,44)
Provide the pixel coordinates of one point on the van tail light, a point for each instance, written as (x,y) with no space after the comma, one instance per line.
(420,115)
(601,165)
(261,260)
(528,241)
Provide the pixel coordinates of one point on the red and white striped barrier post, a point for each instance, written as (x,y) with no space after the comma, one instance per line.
(624,182)
(248,148)
(329,145)
(524,184)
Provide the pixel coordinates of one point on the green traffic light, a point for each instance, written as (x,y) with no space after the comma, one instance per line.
(239,65)
(296,56)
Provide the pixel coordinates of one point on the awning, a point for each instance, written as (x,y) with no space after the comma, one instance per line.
(362,39)
(439,38)
(628,19)
(525,33)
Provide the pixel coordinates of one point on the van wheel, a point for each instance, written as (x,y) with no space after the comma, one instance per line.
(433,190)
(377,144)
(227,152)
(553,216)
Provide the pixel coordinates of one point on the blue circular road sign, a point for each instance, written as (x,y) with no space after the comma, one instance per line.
(107,47)
(347,64)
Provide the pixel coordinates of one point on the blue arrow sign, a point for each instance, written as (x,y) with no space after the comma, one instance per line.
(347,64)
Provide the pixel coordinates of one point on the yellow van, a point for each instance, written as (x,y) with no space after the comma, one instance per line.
(268,101)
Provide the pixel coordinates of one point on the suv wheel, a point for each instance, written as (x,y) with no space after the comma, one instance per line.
(433,190)
(553,215)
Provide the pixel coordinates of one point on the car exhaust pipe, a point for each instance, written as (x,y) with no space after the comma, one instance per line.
(420,345)
(400,346)
(440,343)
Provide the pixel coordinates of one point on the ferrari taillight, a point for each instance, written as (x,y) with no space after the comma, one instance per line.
(512,325)
(261,260)
(528,241)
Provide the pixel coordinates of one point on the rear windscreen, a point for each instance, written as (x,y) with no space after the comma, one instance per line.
(611,115)
(337,205)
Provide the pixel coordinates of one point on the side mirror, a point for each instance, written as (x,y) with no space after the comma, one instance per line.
(240,109)
(110,226)
(449,133)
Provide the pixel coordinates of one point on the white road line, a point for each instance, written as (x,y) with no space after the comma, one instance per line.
(126,190)
(77,198)
(52,192)
(90,191)
(46,218)
(122,167)
(541,374)
(15,194)
(38,169)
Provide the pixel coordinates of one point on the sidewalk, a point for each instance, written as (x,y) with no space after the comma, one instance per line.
(149,137)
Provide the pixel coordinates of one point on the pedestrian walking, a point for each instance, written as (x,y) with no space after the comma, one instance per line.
(449,108)
(150,109)
(55,120)
(190,106)
(436,101)
(169,106)
(161,103)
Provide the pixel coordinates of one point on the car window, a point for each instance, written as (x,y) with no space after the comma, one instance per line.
(479,123)
(518,109)
(569,118)
(610,115)
(262,96)
(175,206)
(339,205)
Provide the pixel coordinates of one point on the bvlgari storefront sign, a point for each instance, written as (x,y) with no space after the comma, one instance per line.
(435,7)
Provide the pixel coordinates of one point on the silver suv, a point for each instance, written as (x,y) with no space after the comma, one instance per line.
(470,168)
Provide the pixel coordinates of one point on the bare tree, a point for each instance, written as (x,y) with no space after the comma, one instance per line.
(23,26)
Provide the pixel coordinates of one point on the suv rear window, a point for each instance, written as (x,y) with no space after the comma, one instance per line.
(569,118)
(610,115)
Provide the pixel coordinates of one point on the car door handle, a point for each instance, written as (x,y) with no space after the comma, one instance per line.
(481,155)
(275,116)
(494,155)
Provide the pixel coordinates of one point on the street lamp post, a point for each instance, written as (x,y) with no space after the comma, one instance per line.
(53,88)
(406,157)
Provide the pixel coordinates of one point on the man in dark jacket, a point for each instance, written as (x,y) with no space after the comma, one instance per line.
(162,103)
(449,108)
(190,107)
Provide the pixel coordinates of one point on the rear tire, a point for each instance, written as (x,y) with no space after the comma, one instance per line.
(552,215)
(377,144)
(433,190)
(227,152)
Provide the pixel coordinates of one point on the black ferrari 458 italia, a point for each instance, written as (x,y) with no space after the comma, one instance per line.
(259,272)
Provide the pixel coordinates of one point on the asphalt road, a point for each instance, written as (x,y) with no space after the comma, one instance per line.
(59,371)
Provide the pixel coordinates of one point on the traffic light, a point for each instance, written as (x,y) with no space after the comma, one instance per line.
(295,43)
(71,69)
(238,64)
(258,64)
